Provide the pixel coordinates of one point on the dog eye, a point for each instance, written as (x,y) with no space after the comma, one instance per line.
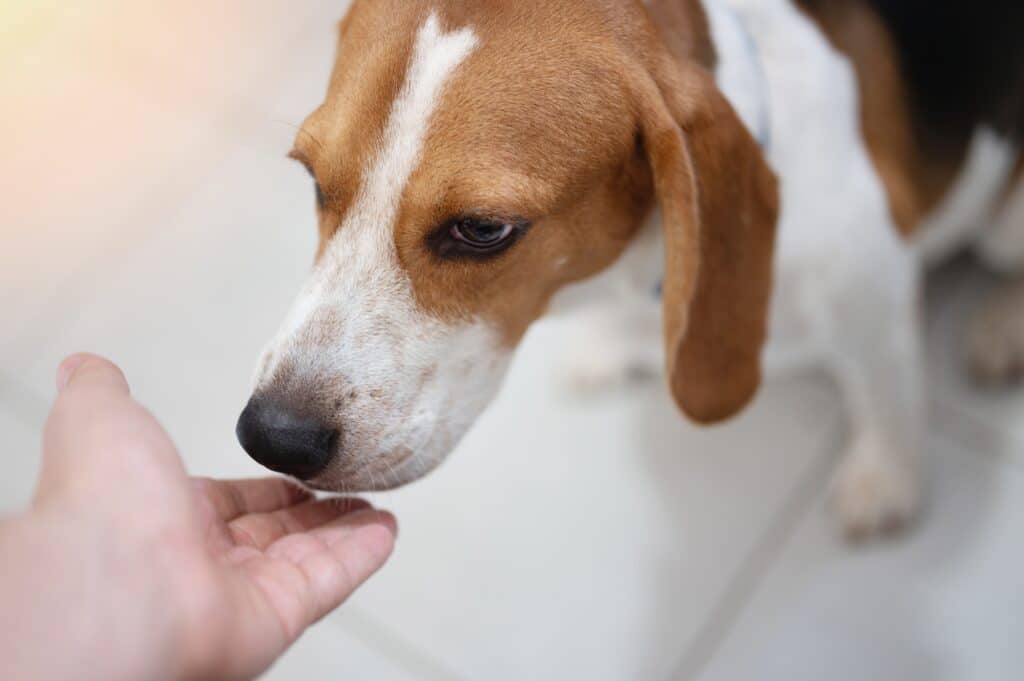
(469,237)
(320,198)
(482,235)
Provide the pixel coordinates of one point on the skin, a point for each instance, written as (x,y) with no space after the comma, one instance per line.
(129,569)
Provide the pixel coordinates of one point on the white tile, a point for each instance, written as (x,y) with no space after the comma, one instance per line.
(204,52)
(273,115)
(569,540)
(105,143)
(944,603)
(213,51)
(198,288)
(188,312)
(21,448)
(79,175)
(957,292)
(330,652)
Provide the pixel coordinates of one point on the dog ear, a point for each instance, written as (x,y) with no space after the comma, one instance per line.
(719,205)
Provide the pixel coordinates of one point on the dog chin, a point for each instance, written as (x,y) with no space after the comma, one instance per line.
(373,477)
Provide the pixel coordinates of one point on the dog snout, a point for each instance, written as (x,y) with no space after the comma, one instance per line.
(284,439)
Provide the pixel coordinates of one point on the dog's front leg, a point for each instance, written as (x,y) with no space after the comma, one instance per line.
(616,320)
(614,342)
(875,348)
(994,345)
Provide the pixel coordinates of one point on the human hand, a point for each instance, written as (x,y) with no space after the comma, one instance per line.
(125,568)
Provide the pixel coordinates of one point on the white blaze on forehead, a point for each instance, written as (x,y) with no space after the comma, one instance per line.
(434,58)
(402,380)
(364,241)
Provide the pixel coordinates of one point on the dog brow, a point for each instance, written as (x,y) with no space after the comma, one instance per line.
(300,156)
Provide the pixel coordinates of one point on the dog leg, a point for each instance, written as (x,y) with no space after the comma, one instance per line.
(876,351)
(994,347)
(614,343)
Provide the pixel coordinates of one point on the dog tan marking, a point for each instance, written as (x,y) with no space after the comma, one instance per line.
(556,149)
(428,118)
(578,174)
(916,176)
(720,206)
(684,29)
(373,51)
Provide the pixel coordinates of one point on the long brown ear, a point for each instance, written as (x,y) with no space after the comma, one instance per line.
(719,204)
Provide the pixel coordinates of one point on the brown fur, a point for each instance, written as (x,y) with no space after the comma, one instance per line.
(571,135)
(684,30)
(916,176)
(720,207)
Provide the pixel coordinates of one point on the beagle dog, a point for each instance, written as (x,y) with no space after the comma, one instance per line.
(716,171)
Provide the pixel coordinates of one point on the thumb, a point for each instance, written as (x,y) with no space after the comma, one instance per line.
(95,429)
(93,371)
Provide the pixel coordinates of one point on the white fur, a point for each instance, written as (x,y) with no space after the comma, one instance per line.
(846,285)
(419,382)
(968,205)
(740,71)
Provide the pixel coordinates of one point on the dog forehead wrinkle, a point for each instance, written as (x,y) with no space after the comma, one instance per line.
(435,57)
(360,272)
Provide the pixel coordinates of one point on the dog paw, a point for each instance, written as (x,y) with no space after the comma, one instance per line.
(875,492)
(603,368)
(994,351)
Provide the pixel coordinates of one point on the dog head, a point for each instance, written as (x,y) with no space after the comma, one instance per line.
(470,160)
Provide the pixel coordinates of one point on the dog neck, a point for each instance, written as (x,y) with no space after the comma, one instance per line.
(740,70)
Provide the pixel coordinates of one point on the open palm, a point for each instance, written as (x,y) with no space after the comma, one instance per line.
(237,570)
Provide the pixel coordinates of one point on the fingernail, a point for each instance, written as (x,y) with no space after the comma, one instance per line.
(373,516)
(67,368)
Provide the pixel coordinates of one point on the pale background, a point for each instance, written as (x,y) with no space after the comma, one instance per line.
(146,212)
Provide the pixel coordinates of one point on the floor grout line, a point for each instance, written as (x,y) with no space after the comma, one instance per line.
(753,569)
(773,543)
(396,648)
(994,438)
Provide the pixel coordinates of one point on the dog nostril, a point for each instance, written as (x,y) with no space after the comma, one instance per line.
(284,441)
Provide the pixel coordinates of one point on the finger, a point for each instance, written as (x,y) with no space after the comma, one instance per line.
(92,391)
(305,577)
(96,432)
(295,547)
(260,530)
(94,412)
(335,573)
(90,369)
(339,530)
(235,498)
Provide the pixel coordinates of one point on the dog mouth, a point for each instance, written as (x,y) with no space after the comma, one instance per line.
(380,473)
(329,458)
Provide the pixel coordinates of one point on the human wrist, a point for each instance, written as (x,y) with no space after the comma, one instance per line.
(42,600)
(70,581)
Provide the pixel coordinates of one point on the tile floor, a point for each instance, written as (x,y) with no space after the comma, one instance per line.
(599,540)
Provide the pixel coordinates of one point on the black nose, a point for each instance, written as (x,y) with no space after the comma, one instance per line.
(283,441)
